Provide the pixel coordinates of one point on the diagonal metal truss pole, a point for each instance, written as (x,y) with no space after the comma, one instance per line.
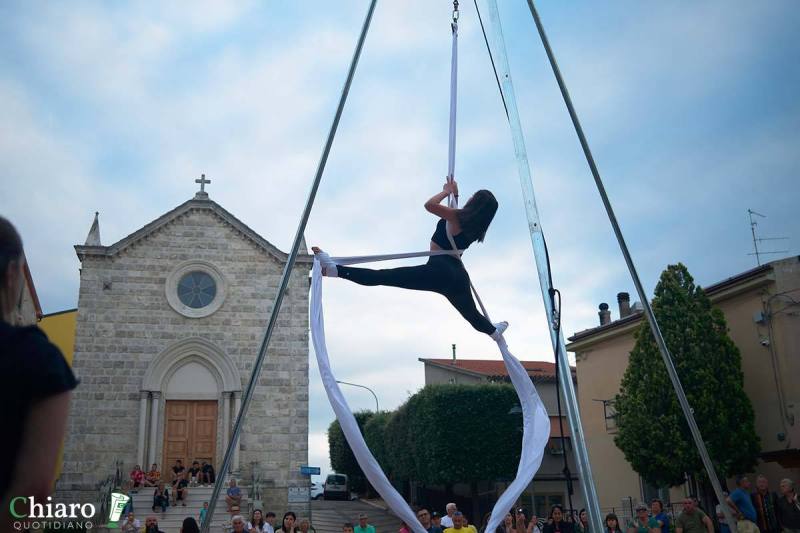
(287,270)
(543,269)
(648,310)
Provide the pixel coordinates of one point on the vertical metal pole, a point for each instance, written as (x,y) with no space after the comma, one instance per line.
(540,254)
(648,310)
(287,270)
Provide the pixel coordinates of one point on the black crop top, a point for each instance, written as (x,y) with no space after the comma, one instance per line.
(439,237)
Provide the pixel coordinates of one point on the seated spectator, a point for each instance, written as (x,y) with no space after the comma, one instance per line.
(161,498)
(153,477)
(194,474)
(130,525)
(692,519)
(643,523)
(556,523)
(207,474)
(151,525)
(180,492)
(288,523)
(612,524)
(137,477)
(233,497)
(257,524)
(178,473)
(189,525)
(237,522)
(363,526)
(788,507)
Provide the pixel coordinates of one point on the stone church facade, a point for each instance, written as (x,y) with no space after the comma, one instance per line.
(169,324)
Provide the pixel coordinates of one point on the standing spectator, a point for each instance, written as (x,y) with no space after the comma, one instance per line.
(362,526)
(583,522)
(788,508)
(404,528)
(189,525)
(152,478)
(742,505)
(447,520)
(160,498)
(657,512)
(237,523)
(508,524)
(556,523)
(692,519)
(524,523)
(37,384)
(458,523)
(137,478)
(612,524)
(424,517)
(288,523)
(305,526)
(466,525)
(151,525)
(207,476)
(723,522)
(131,525)
(203,513)
(643,523)
(436,520)
(347,527)
(233,497)
(257,524)
(765,503)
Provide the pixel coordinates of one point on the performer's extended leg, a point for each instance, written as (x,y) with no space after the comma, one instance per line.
(420,277)
(465,304)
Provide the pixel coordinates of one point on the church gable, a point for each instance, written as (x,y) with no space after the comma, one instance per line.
(198,204)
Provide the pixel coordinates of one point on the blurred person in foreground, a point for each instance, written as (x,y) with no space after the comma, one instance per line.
(36,388)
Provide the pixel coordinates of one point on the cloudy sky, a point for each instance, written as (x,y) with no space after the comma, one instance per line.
(691,110)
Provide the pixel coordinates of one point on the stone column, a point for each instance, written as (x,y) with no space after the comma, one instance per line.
(226,426)
(237,405)
(143,396)
(156,397)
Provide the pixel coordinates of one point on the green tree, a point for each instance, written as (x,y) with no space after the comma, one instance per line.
(342,459)
(653,433)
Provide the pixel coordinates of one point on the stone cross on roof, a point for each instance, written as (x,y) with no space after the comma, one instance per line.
(202,181)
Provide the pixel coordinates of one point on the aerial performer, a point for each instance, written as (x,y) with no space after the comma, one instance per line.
(443,274)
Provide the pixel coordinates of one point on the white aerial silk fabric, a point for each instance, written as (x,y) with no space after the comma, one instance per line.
(536,424)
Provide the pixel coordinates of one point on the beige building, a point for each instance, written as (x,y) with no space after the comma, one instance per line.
(761,308)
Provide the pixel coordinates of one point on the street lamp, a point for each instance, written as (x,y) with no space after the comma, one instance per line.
(377,409)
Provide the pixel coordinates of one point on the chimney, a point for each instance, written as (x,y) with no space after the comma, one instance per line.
(605,314)
(624,300)
(454,355)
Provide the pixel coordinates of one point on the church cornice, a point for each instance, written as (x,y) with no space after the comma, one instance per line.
(194,204)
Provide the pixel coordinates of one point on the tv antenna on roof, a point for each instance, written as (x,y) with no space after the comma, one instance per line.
(757,240)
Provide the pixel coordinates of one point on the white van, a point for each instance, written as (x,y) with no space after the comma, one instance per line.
(336,487)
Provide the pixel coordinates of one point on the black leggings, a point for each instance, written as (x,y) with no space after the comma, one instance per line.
(442,274)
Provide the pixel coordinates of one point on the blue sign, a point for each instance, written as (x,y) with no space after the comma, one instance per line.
(309,470)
